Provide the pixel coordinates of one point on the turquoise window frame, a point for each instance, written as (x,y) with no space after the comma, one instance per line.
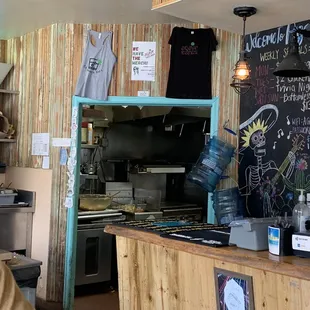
(77,103)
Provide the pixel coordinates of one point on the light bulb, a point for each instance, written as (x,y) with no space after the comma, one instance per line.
(242,70)
(242,74)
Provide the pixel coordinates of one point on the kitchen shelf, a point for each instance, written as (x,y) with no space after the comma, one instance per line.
(7,141)
(6,91)
(88,146)
(94,119)
(89,176)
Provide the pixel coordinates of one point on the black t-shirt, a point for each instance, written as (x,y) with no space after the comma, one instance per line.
(190,63)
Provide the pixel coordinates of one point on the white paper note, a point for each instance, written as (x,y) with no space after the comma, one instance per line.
(143,93)
(233,296)
(46,162)
(61,142)
(63,157)
(68,202)
(40,144)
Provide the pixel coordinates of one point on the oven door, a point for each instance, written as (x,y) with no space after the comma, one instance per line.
(93,257)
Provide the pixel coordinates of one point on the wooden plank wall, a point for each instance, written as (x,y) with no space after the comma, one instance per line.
(153,277)
(224,61)
(47,64)
(2,50)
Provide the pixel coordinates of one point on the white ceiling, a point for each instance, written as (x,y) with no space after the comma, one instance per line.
(219,13)
(18,17)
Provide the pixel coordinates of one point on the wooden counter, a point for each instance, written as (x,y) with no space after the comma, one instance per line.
(159,273)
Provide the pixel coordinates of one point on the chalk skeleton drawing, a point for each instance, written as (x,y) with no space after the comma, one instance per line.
(257,176)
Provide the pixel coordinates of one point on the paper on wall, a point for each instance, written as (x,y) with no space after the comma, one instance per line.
(46,162)
(40,144)
(68,202)
(234,296)
(143,61)
(63,157)
(61,142)
(143,93)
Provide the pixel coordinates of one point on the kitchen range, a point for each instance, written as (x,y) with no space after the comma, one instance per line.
(134,166)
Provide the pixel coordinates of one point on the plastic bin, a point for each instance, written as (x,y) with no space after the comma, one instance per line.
(7,199)
(26,272)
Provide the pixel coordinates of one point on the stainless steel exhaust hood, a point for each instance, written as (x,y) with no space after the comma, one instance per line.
(170,115)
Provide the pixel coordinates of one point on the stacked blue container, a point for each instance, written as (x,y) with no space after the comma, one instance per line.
(228,205)
(211,164)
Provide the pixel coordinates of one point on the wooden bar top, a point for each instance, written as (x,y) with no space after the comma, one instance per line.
(286,265)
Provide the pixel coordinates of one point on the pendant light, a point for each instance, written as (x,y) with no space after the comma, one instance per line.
(292,65)
(241,78)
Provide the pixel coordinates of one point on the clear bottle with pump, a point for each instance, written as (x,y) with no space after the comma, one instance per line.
(300,208)
(305,215)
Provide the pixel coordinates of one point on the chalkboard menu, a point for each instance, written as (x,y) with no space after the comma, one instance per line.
(275,126)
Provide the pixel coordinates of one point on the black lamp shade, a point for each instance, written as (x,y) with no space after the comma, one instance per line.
(292,66)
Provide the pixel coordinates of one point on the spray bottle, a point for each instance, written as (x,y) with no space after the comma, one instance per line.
(299,210)
(305,216)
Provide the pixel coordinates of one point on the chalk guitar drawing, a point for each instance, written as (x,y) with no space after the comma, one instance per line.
(270,188)
(264,176)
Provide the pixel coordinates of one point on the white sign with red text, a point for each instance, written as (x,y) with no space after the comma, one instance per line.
(143,61)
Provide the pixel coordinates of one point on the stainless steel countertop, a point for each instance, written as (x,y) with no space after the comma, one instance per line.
(27,203)
(177,205)
(16,209)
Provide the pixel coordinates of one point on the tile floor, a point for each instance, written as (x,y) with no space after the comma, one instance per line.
(98,296)
(106,301)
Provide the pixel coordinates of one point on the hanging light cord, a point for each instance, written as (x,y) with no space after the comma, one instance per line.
(243,35)
(305,33)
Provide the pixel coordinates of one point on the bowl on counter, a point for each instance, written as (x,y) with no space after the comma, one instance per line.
(89,202)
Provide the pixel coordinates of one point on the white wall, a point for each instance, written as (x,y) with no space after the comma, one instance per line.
(39,181)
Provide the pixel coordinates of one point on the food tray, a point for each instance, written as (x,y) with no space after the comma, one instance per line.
(210,237)
(150,226)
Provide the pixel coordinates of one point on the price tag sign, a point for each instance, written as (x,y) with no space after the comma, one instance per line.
(143,93)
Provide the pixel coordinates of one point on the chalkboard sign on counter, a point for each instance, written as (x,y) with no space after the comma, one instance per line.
(275,126)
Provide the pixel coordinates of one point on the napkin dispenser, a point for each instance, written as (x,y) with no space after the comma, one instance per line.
(251,233)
